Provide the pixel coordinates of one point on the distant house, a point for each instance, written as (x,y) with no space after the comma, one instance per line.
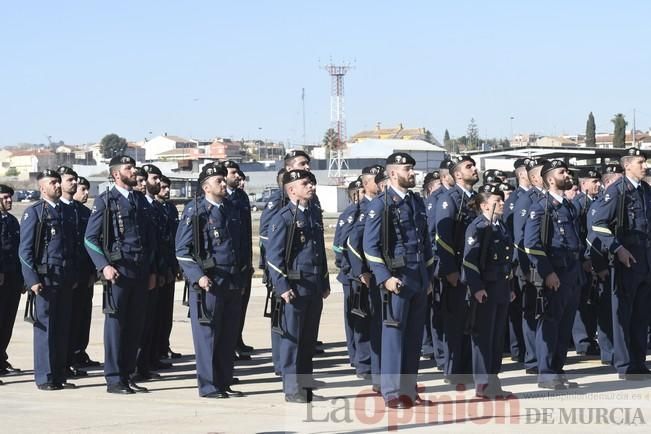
(161,144)
(605,140)
(224,149)
(179,154)
(397,133)
(29,162)
(555,141)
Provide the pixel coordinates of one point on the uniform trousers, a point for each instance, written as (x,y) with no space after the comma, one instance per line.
(401,345)
(51,333)
(301,327)
(10,293)
(123,329)
(214,343)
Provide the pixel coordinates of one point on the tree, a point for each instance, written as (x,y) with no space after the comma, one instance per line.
(331,139)
(590,134)
(619,134)
(446,141)
(112,145)
(429,138)
(12,171)
(473,135)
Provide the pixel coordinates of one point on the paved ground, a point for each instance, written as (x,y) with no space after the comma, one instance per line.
(174,406)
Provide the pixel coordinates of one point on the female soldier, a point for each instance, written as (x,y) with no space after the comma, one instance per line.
(487,272)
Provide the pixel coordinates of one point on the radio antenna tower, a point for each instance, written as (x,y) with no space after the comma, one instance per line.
(337,120)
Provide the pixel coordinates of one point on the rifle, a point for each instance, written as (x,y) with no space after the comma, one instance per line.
(269,299)
(292,275)
(185,301)
(203,315)
(614,267)
(359,292)
(40,268)
(107,288)
(536,278)
(269,303)
(391,263)
(471,319)
(459,232)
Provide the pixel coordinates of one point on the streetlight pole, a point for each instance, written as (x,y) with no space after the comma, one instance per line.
(511,138)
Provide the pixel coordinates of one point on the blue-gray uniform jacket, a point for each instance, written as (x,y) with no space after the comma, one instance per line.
(240,199)
(449,250)
(162,259)
(277,201)
(582,203)
(83,214)
(497,263)
(9,240)
(520,216)
(408,238)
(132,240)
(636,231)
(223,256)
(170,224)
(355,242)
(307,255)
(344,226)
(595,250)
(430,204)
(509,208)
(563,249)
(57,246)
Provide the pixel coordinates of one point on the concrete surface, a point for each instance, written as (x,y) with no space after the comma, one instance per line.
(601,403)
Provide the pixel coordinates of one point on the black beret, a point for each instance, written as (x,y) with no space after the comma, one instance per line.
(381,176)
(296,153)
(551,165)
(455,161)
(65,170)
(505,186)
(121,159)
(492,189)
(83,181)
(312,178)
(141,172)
(150,168)
(533,163)
(372,170)
(296,175)
(230,164)
(445,164)
(520,162)
(590,173)
(165,179)
(281,171)
(614,168)
(6,189)
(634,152)
(400,158)
(432,176)
(492,175)
(48,173)
(241,174)
(355,185)
(210,170)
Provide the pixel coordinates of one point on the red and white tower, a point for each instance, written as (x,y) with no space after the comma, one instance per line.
(337,119)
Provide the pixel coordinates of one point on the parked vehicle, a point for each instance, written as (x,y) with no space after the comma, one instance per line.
(260,203)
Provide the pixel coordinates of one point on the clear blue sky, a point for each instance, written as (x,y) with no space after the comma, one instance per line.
(76,70)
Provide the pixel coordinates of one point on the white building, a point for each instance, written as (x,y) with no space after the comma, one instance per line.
(427,156)
(160,144)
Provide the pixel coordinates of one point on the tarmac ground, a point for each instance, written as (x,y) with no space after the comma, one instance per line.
(602,401)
